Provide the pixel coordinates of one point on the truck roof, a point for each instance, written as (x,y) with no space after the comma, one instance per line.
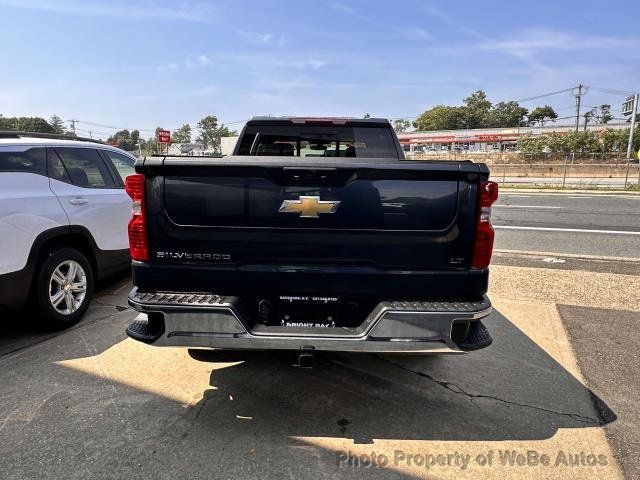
(318,121)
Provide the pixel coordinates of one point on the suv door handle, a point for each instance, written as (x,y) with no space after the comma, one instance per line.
(78,201)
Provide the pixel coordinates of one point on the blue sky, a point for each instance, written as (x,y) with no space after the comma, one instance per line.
(149,63)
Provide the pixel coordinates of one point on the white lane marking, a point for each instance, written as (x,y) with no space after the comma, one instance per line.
(575,230)
(523,206)
(564,255)
(553,260)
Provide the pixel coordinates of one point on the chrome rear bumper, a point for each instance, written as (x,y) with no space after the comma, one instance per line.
(208,320)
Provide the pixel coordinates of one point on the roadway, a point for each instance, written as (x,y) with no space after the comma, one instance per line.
(585,224)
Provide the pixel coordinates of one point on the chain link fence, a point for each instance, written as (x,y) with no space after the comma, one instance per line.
(518,168)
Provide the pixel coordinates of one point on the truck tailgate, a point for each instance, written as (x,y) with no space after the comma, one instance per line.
(235,214)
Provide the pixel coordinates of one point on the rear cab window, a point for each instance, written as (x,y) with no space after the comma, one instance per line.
(375,141)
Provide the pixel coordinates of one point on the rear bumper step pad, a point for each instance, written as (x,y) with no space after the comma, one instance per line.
(209,320)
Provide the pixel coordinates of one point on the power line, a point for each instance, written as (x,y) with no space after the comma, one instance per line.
(115,128)
(550,94)
(94,124)
(612,91)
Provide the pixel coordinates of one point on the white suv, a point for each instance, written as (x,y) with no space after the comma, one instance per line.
(63,221)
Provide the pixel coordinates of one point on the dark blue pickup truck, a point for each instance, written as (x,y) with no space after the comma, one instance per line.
(314,235)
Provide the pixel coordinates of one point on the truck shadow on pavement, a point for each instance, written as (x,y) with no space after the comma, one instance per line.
(513,390)
(94,404)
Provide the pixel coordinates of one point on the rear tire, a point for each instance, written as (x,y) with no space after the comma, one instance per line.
(63,287)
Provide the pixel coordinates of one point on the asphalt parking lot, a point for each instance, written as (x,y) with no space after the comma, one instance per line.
(555,396)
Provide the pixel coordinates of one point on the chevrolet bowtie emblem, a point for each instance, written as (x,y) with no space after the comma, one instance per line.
(309,207)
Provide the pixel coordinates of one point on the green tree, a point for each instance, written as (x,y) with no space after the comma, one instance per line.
(26,124)
(225,132)
(151,146)
(401,125)
(182,134)
(476,110)
(57,124)
(7,123)
(532,144)
(610,140)
(208,133)
(505,114)
(125,139)
(541,115)
(440,117)
(600,114)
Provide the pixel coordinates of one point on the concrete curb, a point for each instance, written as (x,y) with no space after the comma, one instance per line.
(558,191)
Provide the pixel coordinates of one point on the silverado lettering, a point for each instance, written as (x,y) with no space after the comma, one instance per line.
(193,256)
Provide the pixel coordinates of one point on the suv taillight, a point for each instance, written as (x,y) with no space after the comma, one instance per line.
(138,247)
(483,242)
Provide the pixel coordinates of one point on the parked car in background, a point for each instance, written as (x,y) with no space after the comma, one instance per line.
(63,221)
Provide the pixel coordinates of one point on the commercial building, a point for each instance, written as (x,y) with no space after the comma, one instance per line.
(483,139)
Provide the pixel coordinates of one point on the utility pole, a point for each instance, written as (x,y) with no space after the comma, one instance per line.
(73,125)
(578,96)
(586,120)
(630,143)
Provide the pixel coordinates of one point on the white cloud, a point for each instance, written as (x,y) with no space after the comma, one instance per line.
(199,60)
(316,64)
(256,37)
(415,33)
(187,11)
(167,67)
(205,91)
(412,33)
(533,41)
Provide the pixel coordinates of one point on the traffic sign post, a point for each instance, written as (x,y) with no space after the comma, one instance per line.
(630,107)
(163,137)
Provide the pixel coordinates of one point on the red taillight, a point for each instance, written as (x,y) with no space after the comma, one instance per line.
(138,247)
(483,242)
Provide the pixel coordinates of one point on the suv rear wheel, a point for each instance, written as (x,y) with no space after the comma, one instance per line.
(64,287)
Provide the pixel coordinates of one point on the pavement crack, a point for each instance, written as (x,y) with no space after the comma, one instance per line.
(452,387)
(120,308)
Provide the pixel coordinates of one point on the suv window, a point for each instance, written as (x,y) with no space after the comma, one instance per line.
(30,161)
(122,163)
(83,166)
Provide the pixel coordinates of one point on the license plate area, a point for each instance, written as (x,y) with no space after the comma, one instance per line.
(307,312)
(311,311)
